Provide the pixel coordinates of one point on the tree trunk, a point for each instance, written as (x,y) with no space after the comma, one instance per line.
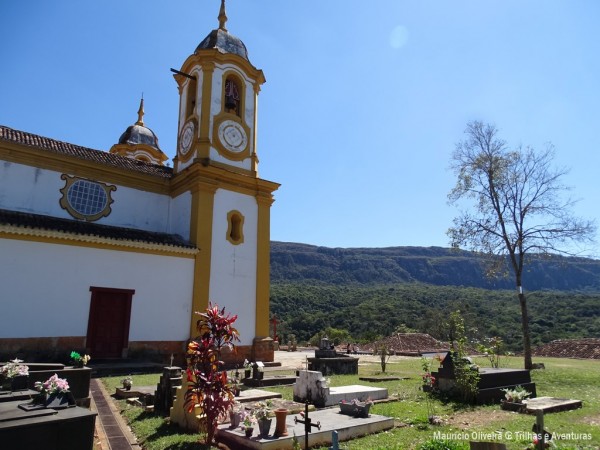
(526,336)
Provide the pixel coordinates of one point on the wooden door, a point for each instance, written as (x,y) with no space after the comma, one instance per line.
(108,324)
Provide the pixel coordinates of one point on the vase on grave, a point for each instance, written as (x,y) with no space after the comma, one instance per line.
(247,373)
(264,425)
(235,418)
(60,400)
(19,383)
(6,384)
(280,425)
(248,431)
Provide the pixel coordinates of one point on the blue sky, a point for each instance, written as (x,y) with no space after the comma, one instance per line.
(363,104)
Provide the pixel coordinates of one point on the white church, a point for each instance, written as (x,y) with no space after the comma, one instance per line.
(112,252)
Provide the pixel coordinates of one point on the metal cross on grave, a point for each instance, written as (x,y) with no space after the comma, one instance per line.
(274,321)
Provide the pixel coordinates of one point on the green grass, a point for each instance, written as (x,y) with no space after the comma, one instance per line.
(568,378)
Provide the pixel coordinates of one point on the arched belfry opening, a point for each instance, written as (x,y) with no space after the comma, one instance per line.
(232,96)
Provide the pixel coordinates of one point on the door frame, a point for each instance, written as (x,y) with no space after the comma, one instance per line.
(95,290)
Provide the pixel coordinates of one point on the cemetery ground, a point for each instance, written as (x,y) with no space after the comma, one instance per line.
(408,405)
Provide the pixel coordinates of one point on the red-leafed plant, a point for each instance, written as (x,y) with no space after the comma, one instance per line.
(207,381)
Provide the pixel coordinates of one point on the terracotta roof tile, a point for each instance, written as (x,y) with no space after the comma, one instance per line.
(408,344)
(77,151)
(570,348)
(36,221)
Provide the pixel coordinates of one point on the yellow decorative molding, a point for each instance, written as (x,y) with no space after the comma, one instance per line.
(133,151)
(263,262)
(201,221)
(235,227)
(219,177)
(79,240)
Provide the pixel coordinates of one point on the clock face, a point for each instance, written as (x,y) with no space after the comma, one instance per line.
(233,136)
(187,136)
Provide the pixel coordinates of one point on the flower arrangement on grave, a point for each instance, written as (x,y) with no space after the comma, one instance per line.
(249,420)
(247,365)
(516,395)
(236,414)
(127,382)
(52,386)
(235,384)
(429,388)
(263,410)
(356,401)
(78,360)
(14,369)
(355,407)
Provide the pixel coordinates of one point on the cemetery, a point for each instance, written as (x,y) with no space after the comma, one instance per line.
(315,410)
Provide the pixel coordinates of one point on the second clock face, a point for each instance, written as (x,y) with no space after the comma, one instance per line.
(187,136)
(233,136)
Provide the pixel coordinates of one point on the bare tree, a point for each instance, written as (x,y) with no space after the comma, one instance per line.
(516,206)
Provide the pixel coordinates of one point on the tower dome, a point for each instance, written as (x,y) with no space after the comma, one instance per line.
(222,40)
(139,142)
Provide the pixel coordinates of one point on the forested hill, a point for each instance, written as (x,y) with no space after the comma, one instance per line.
(293,262)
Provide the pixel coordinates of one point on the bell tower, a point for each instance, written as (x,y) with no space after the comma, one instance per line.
(216,166)
(218,88)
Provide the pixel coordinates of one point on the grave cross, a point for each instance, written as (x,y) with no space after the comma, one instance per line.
(274,321)
(307,421)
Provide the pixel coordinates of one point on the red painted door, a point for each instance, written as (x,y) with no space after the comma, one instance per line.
(108,324)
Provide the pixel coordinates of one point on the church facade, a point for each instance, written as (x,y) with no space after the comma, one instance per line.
(112,252)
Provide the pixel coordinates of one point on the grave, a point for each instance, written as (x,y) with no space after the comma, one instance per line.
(550,404)
(191,420)
(47,428)
(260,380)
(329,362)
(491,380)
(330,420)
(312,386)
(77,377)
(166,388)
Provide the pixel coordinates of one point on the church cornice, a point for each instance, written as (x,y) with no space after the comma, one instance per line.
(210,57)
(206,172)
(59,237)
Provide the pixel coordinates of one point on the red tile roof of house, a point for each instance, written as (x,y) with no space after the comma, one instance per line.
(570,348)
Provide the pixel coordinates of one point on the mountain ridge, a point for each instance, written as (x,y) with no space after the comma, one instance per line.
(439,266)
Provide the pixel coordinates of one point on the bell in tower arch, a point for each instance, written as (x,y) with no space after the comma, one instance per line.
(232,96)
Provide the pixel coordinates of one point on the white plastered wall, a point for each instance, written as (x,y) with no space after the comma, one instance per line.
(29,189)
(46,290)
(233,267)
(179,215)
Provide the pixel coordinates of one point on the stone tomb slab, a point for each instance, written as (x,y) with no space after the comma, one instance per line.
(355,391)
(331,419)
(551,404)
(256,395)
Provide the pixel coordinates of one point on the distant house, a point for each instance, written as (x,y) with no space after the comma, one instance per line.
(570,348)
(111,252)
